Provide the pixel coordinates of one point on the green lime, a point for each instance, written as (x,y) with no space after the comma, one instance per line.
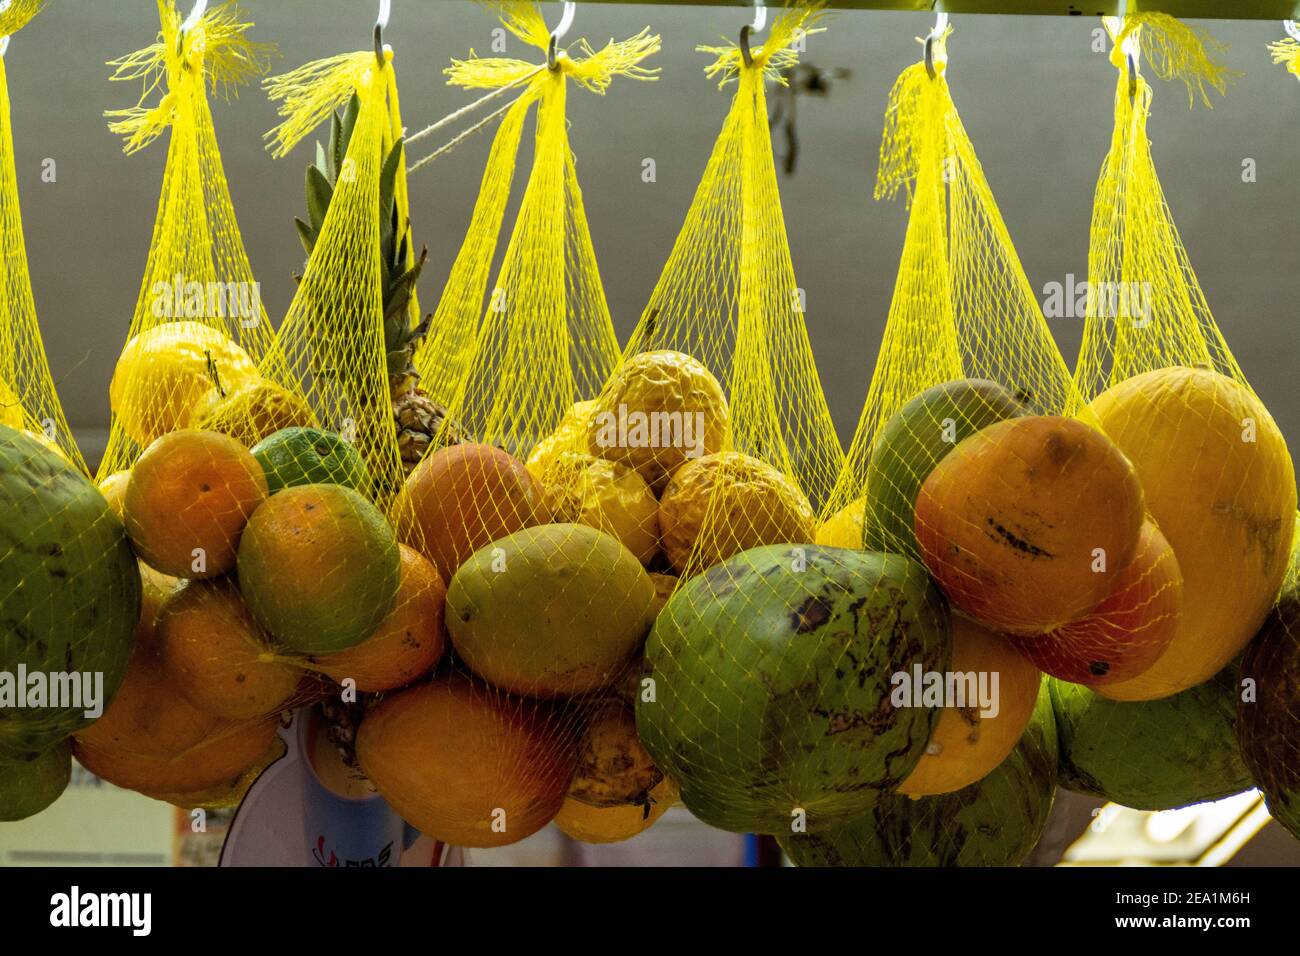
(309,456)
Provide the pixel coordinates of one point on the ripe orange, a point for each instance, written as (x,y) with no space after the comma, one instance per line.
(190,495)
(408,642)
(216,656)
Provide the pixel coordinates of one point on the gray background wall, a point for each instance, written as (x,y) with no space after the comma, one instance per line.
(1035,99)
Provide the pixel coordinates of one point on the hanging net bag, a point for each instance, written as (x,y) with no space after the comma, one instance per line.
(197,715)
(956,759)
(548,600)
(1218,482)
(69,588)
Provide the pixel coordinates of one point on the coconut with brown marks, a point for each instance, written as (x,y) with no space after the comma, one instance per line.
(771,676)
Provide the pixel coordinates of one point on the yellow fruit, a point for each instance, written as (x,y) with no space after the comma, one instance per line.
(113,488)
(659,410)
(613,766)
(844,528)
(605,495)
(587,824)
(255,412)
(11,409)
(965,746)
(215,655)
(164,378)
(722,504)
(157,587)
(1220,484)
(570,435)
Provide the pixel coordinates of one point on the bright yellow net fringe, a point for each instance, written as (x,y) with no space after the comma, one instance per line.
(509,369)
(197,271)
(962,305)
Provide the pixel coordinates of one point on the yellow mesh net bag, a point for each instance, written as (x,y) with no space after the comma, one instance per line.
(197,713)
(547,597)
(948,752)
(1218,483)
(69,588)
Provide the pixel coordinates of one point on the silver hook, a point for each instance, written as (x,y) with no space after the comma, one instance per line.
(200,8)
(760,22)
(385,12)
(1292,29)
(934,36)
(559,33)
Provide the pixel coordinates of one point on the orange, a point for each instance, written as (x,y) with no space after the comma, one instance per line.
(153,740)
(216,656)
(408,642)
(190,495)
(464,497)
(157,587)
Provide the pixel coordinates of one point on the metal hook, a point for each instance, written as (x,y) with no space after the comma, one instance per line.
(1292,29)
(760,22)
(559,33)
(935,35)
(385,12)
(200,8)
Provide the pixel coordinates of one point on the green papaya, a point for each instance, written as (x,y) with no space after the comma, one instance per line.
(70,595)
(1152,754)
(996,821)
(29,785)
(770,694)
(916,439)
(1268,724)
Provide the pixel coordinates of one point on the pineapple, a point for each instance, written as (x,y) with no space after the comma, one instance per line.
(418,422)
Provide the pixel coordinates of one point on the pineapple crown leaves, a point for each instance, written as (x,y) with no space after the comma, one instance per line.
(399,279)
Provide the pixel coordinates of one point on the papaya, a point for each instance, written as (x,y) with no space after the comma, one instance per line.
(1268,723)
(30,784)
(1026,524)
(994,822)
(1124,635)
(967,743)
(913,441)
(1156,754)
(772,684)
(465,763)
(70,590)
(1220,484)
(550,611)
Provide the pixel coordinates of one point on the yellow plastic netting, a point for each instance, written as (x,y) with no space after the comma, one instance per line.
(548,598)
(1216,476)
(69,588)
(965,346)
(198,709)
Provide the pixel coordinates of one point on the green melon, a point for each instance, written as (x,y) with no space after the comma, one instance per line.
(30,785)
(1153,754)
(994,822)
(310,456)
(772,684)
(70,590)
(916,439)
(1269,725)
